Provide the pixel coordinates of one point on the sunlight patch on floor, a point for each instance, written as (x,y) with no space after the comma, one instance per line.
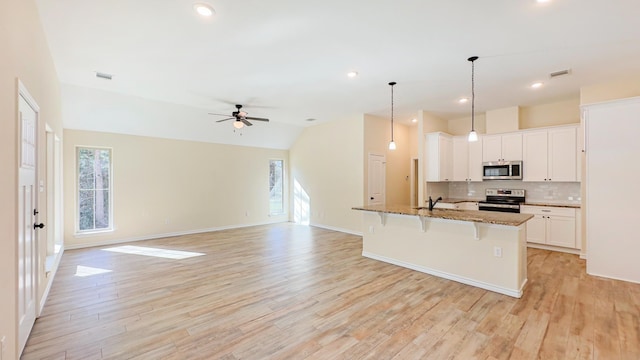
(155,252)
(84,271)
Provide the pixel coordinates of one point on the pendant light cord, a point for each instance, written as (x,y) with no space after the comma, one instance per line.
(392,84)
(473,92)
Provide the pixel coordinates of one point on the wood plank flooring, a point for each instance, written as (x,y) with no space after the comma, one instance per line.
(286,291)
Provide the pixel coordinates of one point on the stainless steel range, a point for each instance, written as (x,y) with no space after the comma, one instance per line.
(504,200)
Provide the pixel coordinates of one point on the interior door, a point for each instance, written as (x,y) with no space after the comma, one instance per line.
(27,195)
(376,193)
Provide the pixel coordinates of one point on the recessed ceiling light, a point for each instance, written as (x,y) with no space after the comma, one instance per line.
(352,74)
(463,100)
(543,1)
(536,85)
(203,9)
(414,120)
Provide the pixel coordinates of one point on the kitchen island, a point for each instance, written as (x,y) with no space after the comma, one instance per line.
(478,248)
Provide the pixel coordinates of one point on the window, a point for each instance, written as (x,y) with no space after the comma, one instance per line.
(94,189)
(276,186)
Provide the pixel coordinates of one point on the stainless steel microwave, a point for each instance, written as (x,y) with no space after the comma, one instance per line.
(502,170)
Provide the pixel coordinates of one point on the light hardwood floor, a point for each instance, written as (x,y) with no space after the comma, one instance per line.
(286,291)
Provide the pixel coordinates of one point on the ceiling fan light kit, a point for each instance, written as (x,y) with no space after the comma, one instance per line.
(240,118)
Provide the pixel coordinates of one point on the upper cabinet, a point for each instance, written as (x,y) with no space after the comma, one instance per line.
(550,155)
(503,147)
(438,157)
(467,159)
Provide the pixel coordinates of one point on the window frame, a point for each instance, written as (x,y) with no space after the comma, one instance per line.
(111,226)
(284,191)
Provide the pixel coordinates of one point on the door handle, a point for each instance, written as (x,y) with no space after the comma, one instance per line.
(35,226)
(35,212)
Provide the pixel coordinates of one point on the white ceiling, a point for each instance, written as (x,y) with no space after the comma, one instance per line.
(287,59)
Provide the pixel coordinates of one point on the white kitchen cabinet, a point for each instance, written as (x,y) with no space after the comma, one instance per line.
(467,159)
(550,155)
(438,157)
(503,147)
(554,226)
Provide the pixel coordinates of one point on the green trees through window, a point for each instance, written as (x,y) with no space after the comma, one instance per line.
(276,187)
(94,189)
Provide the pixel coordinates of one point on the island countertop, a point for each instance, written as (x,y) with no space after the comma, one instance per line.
(487,217)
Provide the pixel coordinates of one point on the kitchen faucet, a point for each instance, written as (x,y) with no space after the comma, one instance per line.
(432,203)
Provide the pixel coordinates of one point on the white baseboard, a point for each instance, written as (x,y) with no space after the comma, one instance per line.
(171,234)
(554,248)
(583,255)
(50,275)
(337,229)
(448,276)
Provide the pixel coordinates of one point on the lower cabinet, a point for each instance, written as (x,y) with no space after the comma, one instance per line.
(554,226)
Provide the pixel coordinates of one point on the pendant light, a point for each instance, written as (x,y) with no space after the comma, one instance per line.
(473,136)
(392,144)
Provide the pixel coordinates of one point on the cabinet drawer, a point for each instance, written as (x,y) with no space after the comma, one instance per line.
(547,210)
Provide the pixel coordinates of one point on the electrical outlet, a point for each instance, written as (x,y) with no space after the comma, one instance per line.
(497,251)
(371,229)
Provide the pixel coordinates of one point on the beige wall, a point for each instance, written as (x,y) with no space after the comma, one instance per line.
(25,55)
(377,134)
(327,161)
(620,89)
(551,114)
(462,126)
(163,186)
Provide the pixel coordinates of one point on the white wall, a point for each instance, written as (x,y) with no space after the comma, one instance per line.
(103,111)
(327,161)
(163,186)
(25,55)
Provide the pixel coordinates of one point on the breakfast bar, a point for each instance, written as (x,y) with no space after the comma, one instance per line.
(479,248)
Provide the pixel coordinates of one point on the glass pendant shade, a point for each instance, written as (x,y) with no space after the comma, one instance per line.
(392,145)
(473,136)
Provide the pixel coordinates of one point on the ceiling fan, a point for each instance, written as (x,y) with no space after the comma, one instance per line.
(240,117)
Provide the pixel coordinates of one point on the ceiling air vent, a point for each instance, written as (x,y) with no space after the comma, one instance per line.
(560,73)
(102,75)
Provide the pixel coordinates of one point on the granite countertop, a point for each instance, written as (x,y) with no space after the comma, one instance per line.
(487,217)
(573,205)
(459,200)
(551,203)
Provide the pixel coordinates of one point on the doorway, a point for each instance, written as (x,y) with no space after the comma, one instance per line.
(28,112)
(376,179)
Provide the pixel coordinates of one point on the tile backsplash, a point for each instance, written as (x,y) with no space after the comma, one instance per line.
(560,192)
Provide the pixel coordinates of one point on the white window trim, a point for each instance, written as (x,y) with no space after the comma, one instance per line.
(284,188)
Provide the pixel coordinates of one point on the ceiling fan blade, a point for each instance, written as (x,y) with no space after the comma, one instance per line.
(225,119)
(256,118)
(246,122)
(218,114)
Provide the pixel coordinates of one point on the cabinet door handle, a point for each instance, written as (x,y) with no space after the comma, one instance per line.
(546,210)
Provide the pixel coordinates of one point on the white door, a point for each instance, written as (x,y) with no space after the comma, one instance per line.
(27,195)
(376,179)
